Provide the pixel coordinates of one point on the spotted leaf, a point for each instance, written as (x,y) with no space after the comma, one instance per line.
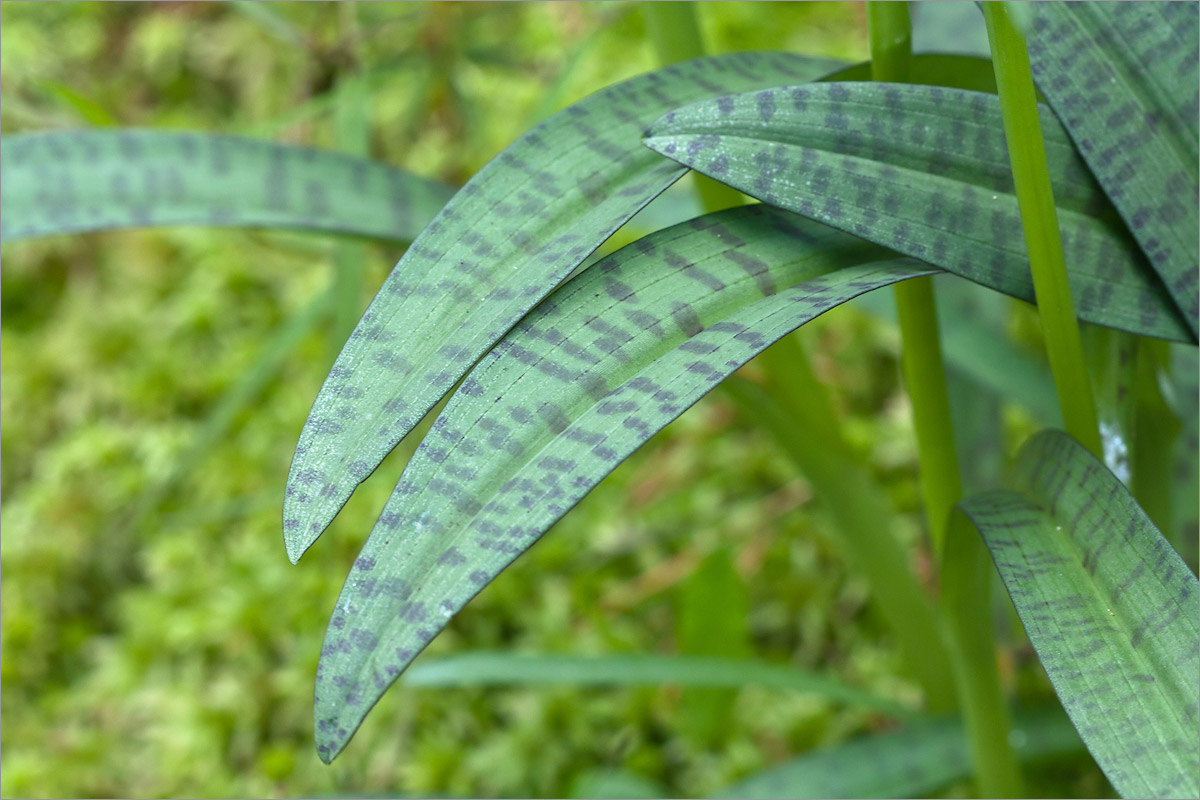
(922,170)
(573,390)
(1124,79)
(62,182)
(513,233)
(1110,608)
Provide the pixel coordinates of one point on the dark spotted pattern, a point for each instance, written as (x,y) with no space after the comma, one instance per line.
(95,180)
(446,537)
(1125,80)
(1110,607)
(923,170)
(512,234)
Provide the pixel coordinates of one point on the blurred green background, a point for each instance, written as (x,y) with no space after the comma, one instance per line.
(161,645)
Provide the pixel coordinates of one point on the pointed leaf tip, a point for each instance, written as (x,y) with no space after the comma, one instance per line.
(549,200)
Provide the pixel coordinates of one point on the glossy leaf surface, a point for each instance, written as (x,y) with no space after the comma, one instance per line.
(63,182)
(922,170)
(911,762)
(573,390)
(1124,79)
(1110,608)
(513,233)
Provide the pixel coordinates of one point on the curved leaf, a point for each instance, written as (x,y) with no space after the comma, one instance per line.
(89,180)
(1110,608)
(910,762)
(573,390)
(1124,79)
(517,229)
(922,170)
(634,669)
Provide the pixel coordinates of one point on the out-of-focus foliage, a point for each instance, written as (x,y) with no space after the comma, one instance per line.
(172,652)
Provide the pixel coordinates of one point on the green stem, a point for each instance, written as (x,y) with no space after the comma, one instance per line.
(921,356)
(1039,219)
(967,609)
(1155,431)
(352,134)
(810,432)
(966,567)
(675,32)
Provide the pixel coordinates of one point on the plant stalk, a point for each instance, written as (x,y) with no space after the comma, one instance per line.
(970,630)
(965,567)
(795,407)
(921,355)
(1039,220)
(675,31)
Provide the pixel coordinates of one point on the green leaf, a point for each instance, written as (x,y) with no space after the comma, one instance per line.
(922,170)
(98,180)
(1124,79)
(911,762)
(634,669)
(1110,608)
(578,385)
(711,609)
(514,232)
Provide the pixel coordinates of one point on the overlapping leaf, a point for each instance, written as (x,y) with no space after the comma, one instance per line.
(922,170)
(517,229)
(63,182)
(1111,609)
(1125,80)
(911,762)
(572,391)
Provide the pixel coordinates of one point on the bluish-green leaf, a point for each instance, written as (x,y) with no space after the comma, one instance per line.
(1124,79)
(1110,608)
(75,181)
(572,391)
(513,233)
(922,170)
(911,762)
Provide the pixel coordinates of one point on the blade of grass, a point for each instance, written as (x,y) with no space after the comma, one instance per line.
(1039,222)
(508,668)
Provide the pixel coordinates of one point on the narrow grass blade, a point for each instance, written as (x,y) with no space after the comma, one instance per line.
(635,669)
(1125,80)
(1110,608)
(573,390)
(64,182)
(911,762)
(514,232)
(922,170)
